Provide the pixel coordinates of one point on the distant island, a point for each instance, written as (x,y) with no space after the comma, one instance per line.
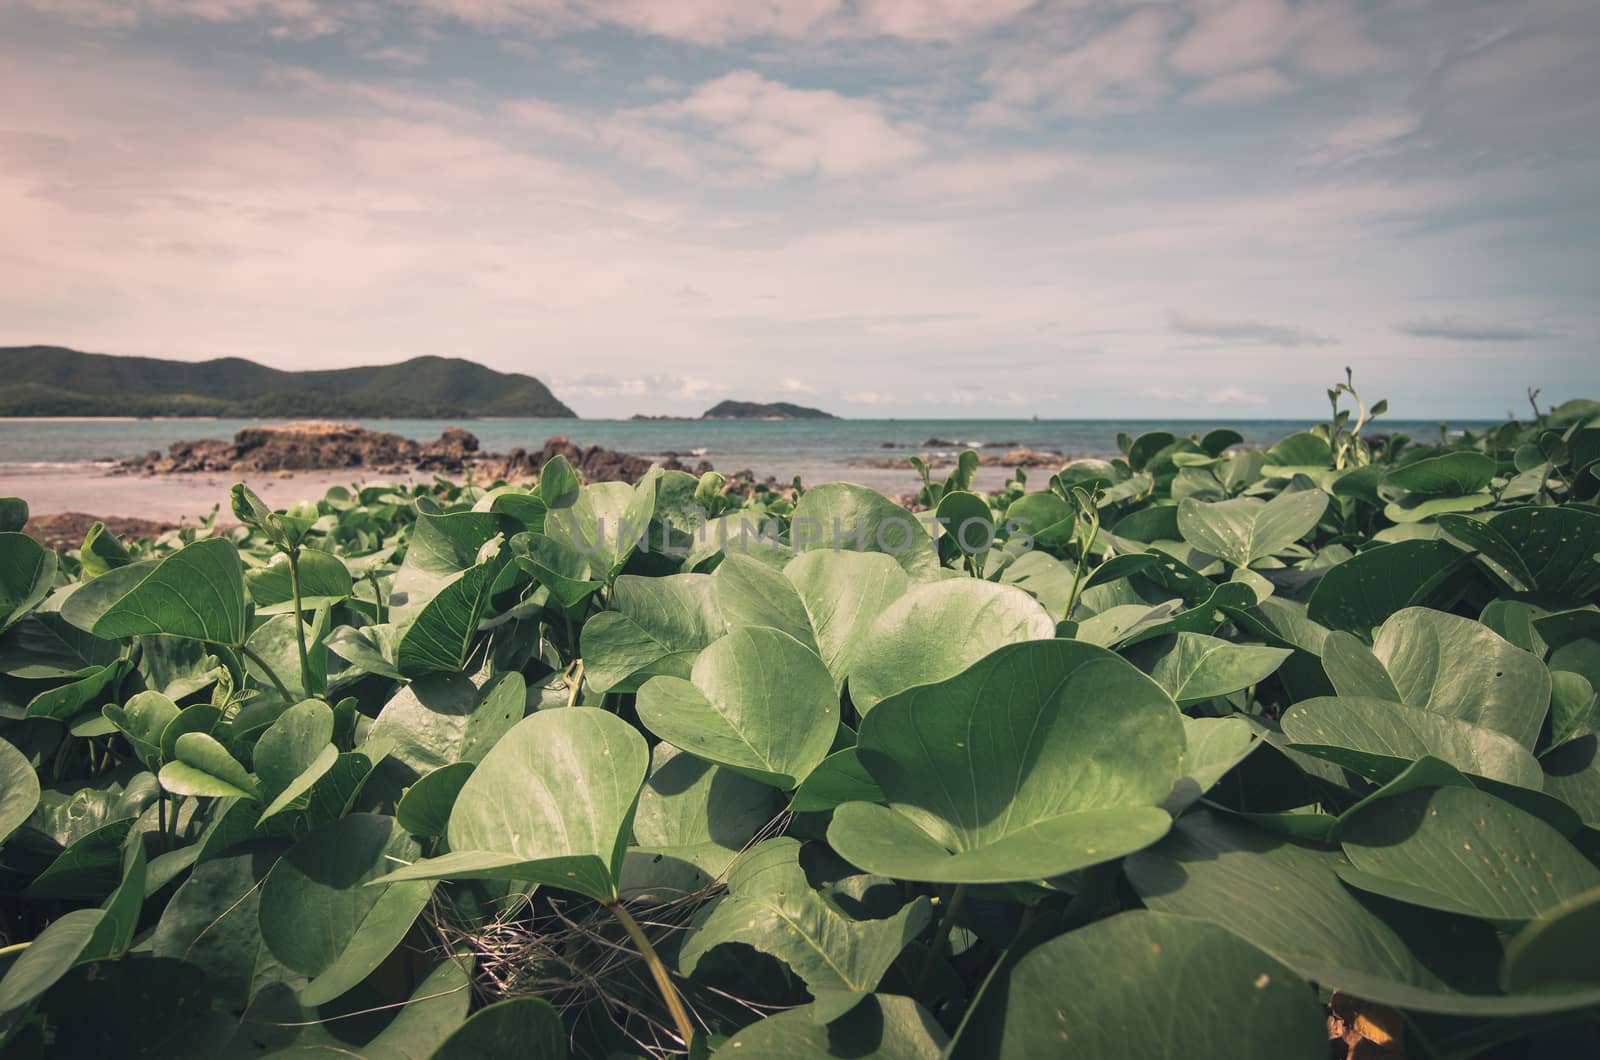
(751,410)
(55,381)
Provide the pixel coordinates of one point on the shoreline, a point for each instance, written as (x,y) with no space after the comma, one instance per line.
(189,495)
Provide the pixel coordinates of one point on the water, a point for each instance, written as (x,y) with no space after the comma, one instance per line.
(782,448)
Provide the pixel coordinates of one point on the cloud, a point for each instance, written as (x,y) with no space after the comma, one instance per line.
(1233,395)
(1368,136)
(1246,331)
(795,386)
(1466,329)
(795,132)
(1246,86)
(297,19)
(654,385)
(1118,68)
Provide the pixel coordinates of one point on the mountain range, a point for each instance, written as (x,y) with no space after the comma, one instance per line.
(56,381)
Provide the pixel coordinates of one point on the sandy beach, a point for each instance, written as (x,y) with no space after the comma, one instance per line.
(175,497)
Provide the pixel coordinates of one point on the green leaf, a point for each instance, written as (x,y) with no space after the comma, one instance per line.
(659,626)
(580,770)
(142,720)
(771,907)
(115,932)
(1556,949)
(1246,529)
(694,813)
(370,648)
(558,483)
(1416,507)
(1287,900)
(758,702)
(519,1028)
(1454,667)
(1378,738)
(27,570)
(1454,474)
(292,744)
(13,514)
(1360,593)
(58,947)
(971,802)
(319,917)
(841,778)
(937,630)
(1463,851)
(202,766)
(444,718)
(424,810)
(324,579)
(1560,546)
(843,593)
(1574,707)
(882,1027)
(213,921)
(101,551)
(1212,746)
(441,636)
(19,789)
(1098,991)
(750,593)
(64,702)
(606,523)
(196,593)
(362,1024)
(89,868)
(967,521)
(1193,667)
(841,516)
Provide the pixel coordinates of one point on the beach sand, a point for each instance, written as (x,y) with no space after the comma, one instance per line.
(173,498)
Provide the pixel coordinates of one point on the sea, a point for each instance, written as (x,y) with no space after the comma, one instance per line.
(816,449)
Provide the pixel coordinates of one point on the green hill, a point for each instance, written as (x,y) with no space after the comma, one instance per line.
(54,381)
(756,410)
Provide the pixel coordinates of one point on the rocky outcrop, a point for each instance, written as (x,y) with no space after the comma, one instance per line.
(319,446)
(1019,457)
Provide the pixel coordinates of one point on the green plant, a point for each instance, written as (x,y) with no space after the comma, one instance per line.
(682,767)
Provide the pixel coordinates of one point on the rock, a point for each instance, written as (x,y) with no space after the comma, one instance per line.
(313,446)
(65,530)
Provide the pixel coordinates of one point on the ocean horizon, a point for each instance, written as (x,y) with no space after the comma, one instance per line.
(765,447)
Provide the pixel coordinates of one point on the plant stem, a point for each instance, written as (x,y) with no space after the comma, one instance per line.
(983,988)
(658,971)
(299,626)
(15,947)
(251,654)
(574,683)
(941,935)
(161,819)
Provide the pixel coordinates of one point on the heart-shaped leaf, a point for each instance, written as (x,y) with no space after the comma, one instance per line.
(1092,992)
(758,702)
(197,593)
(320,917)
(581,769)
(1042,758)
(1247,529)
(771,907)
(1450,665)
(936,630)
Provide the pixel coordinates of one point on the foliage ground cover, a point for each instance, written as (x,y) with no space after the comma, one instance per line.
(1200,751)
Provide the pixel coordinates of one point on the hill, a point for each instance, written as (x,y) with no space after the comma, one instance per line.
(756,410)
(55,381)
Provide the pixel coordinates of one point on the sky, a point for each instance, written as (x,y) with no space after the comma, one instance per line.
(973,208)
